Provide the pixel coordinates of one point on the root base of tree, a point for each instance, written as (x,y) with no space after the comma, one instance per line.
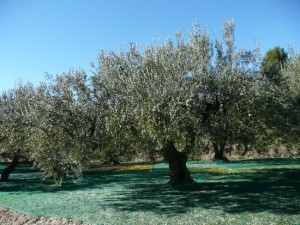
(179,174)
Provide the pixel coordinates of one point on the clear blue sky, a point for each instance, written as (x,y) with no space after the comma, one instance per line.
(38,36)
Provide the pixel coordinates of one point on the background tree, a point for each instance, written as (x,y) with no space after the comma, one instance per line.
(273,62)
(291,103)
(226,87)
(281,106)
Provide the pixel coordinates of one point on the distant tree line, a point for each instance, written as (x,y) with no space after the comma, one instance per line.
(173,99)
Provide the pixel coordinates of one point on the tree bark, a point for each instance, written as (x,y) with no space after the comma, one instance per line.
(10,168)
(219,152)
(178,172)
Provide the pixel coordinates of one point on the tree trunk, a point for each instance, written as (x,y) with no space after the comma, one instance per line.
(246,149)
(10,168)
(179,174)
(219,152)
(111,162)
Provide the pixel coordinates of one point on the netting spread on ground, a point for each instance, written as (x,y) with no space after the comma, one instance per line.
(239,192)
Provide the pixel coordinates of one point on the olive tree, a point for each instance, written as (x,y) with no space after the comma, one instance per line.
(225,100)
(16,114)
(148,99)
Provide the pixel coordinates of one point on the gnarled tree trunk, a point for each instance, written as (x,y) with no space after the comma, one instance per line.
(10,168)
(179,174)
(219,152)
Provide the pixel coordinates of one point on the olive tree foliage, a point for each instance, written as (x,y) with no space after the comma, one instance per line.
(69,127)
(184,92)
(110,90)
(16,115)
(149,94)
(291,74)
(15,119)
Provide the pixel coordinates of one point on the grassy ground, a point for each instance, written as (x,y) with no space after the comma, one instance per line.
(240,192)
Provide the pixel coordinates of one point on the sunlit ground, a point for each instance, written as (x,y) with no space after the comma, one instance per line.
(239,192)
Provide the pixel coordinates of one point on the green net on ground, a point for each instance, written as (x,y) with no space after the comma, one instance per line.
(239,192)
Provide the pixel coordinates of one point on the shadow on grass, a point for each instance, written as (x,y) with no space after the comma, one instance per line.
(275,190)
(268,161)
(33,183)
(272,190)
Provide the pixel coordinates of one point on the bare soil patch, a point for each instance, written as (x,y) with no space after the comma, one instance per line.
(11,217)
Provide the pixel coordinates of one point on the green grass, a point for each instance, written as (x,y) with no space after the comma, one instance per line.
(263,191)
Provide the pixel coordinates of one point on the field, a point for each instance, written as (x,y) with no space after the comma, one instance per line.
(261,191)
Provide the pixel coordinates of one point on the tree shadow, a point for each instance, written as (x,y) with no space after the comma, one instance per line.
(33,182)
(26,178)
(268,161)
(272,190)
